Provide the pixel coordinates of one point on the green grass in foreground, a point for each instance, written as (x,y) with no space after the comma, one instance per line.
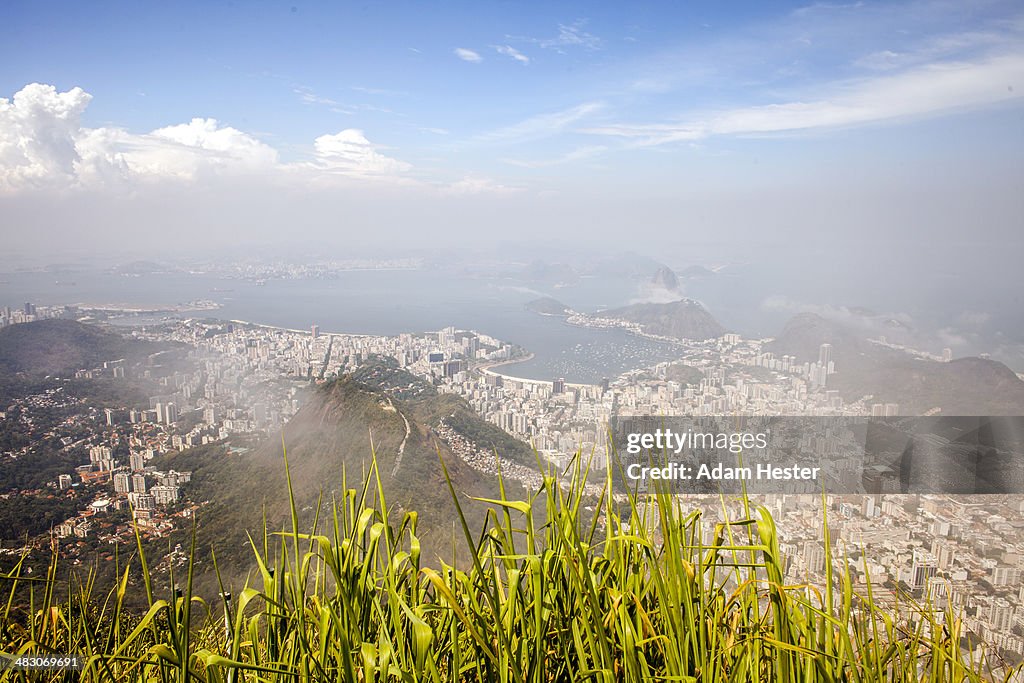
(590,591)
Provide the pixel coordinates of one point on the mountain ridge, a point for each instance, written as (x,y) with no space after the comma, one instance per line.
(682,319)
(964,386)
(47,347)
(345,429)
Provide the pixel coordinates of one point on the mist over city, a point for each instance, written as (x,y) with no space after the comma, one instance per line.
(294,293)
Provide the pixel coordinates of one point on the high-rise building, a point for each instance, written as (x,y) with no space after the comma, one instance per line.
(170,413)
(453,367)
(122,482)
(64,481)
(824,355)
(141,501)
(139,483)
(814,557)
(98,454)
(164,495)
(944,552)
(922,569)
(1000,615)
(558,386)
(1006,576)
(315,329)
(136,461)
(868,506)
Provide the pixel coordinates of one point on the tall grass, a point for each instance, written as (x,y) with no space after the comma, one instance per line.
(564,586)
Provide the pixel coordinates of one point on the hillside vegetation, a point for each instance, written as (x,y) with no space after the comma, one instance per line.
(345,424)
(640,593)
(47,347)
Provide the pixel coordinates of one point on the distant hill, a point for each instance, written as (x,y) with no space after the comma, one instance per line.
(548,306)
(665,278)
(684,319)
(48,347)
(806,332)
(684,374)
(966,386)
(338,430)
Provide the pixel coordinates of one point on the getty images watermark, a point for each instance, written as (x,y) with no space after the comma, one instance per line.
(832,454)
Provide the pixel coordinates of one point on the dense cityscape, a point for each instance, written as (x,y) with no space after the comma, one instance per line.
(242,382)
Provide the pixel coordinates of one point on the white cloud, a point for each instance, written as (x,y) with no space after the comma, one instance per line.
(220,145)
(44,145)
(38,131)
(543,124)
(468,55)
(510,51)
(569,35)
(955,46)
(574,35)
(310,97)
(184,151)
(922,91)
(349,153)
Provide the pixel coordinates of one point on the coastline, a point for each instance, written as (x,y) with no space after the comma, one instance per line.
(323,333)
(489,369)
(587,321)
(191,307)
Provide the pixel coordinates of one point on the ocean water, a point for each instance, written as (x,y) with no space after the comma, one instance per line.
(967,306)
(380,302)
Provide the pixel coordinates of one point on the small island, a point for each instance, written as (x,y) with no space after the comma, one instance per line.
(548,306)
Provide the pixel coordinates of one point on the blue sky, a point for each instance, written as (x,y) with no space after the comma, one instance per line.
(685,107)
